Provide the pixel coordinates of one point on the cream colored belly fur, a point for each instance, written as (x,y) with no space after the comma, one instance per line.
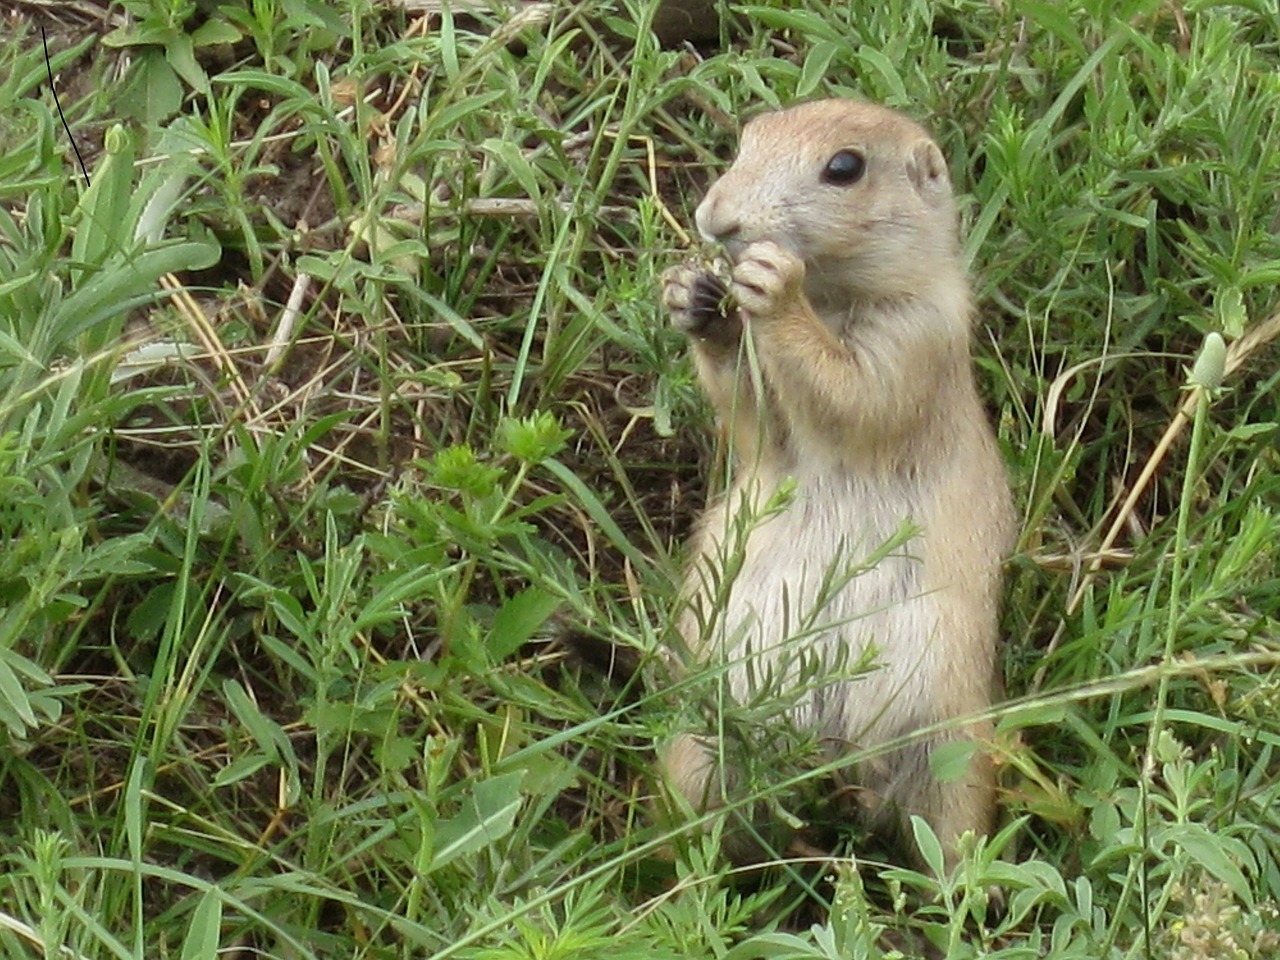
(805,590)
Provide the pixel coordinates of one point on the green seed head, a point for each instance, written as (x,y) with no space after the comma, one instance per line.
(1211,364)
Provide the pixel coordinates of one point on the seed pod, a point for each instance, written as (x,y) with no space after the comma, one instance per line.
(1211,365)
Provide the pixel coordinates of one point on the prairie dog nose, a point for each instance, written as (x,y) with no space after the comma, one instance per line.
(717,221)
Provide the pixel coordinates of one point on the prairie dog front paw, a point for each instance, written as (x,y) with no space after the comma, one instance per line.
(699,304)
(767,279)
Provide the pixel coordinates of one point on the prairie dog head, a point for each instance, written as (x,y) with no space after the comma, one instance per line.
(857,191)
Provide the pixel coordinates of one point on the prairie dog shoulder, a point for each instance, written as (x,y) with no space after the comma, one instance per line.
(849,283)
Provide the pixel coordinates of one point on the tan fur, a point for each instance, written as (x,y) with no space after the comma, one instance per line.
(856,304)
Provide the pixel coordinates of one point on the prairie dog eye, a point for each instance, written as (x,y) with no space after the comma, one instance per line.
(844,168)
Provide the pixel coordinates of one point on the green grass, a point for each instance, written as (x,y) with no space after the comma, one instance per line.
(274,596)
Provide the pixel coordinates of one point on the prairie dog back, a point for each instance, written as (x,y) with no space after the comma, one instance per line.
(850,288)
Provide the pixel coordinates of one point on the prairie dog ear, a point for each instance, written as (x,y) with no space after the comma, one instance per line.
(927,169)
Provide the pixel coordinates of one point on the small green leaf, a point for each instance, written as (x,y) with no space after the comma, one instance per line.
(240,769)
(1247,431)
(815,68)
(265,731)
(518,619)
(396,753)
(950,761)
(133,803)
(205,931)
(14,697)
(214,32)
(928,845)
(487,816)
(774,946)
(1034,714)
(598,512)
(515,162)
(153,92)
(110,292)
(895,90)
(1056,19)
(808,23)
(1211,364)
(180,52)
(101,230)
(1220,855)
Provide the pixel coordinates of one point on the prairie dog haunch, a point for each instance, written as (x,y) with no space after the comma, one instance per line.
(852,296)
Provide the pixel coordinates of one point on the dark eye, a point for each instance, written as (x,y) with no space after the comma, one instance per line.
(844,168)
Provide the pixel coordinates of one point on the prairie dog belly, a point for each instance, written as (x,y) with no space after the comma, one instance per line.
(807,588)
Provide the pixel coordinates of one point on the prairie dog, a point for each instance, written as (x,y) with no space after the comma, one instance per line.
(856,386)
